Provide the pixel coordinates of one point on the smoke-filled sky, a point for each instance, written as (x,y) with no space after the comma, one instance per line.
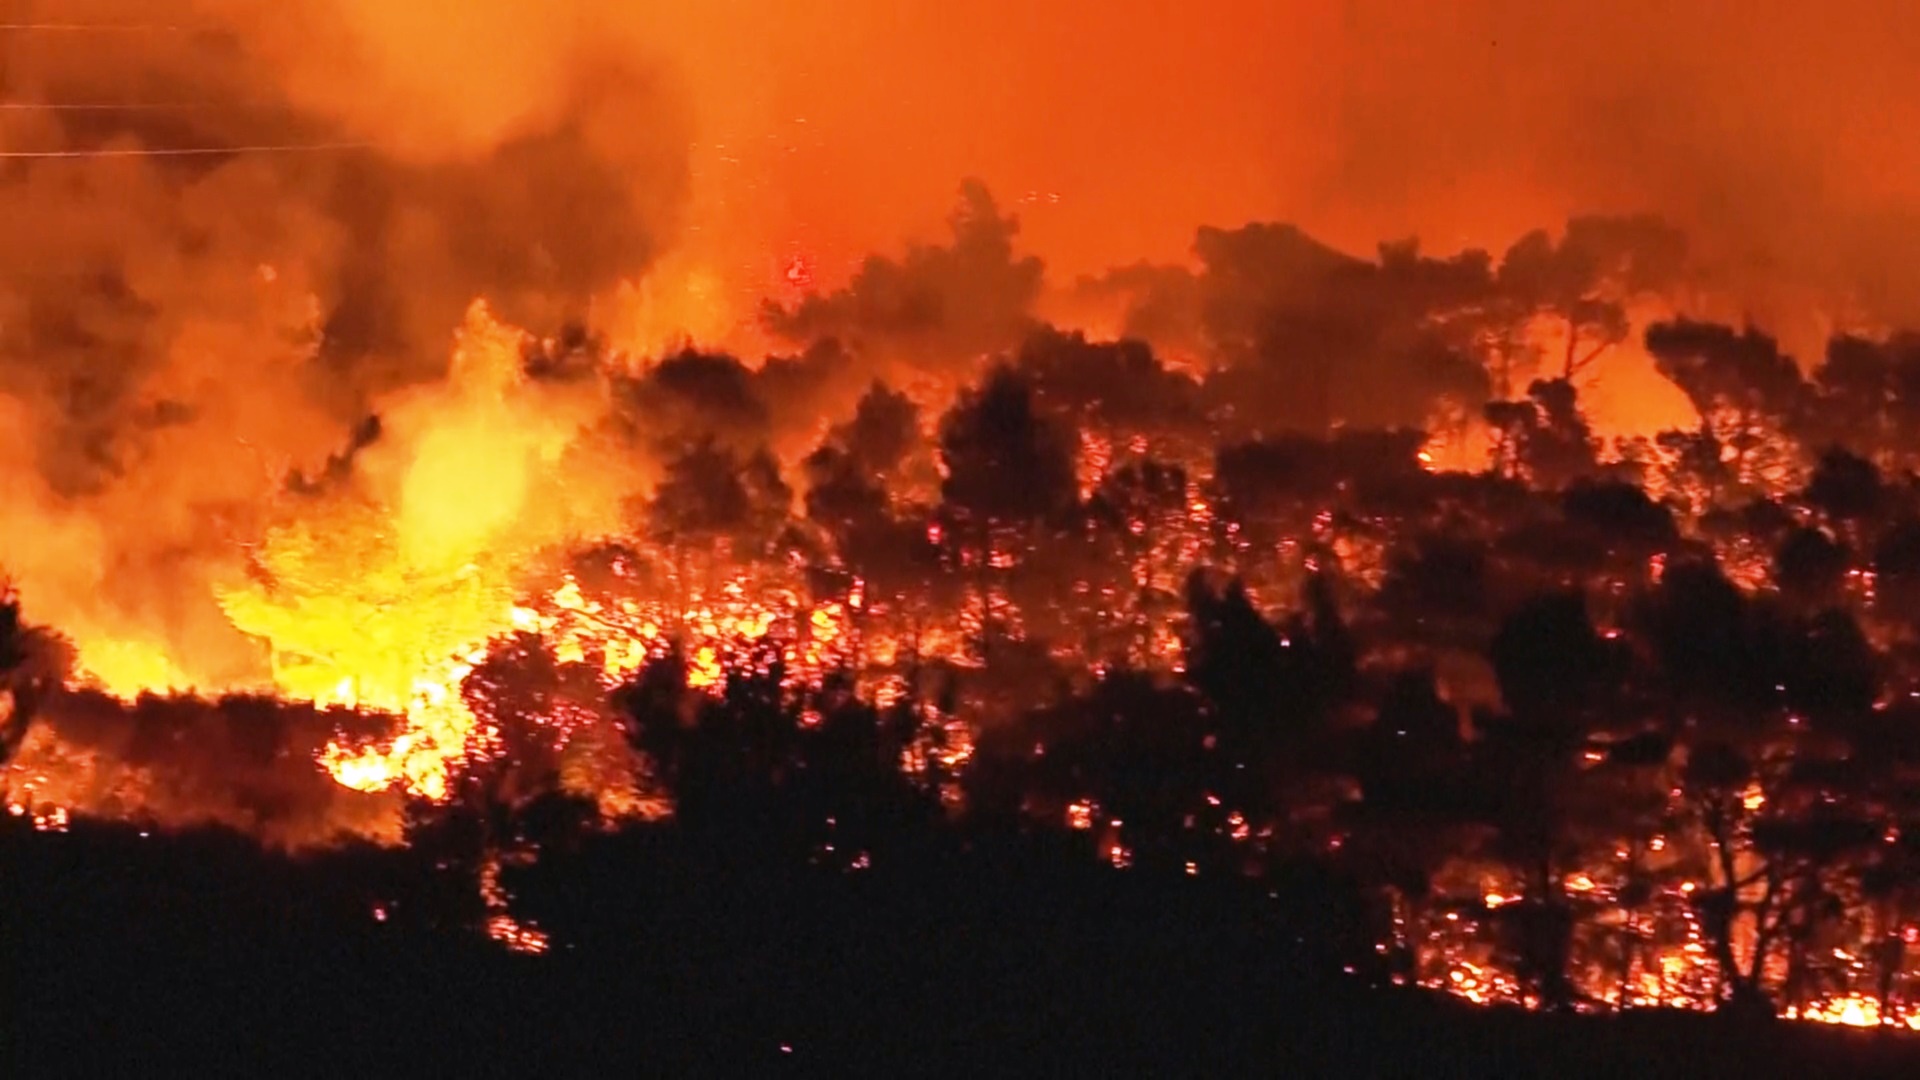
(1772,126)
(158,315)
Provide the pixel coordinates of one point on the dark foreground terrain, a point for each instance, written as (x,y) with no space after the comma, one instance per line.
(132,955)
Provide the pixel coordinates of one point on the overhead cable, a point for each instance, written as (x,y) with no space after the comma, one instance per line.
(182,151)
(105,28)
(126,106)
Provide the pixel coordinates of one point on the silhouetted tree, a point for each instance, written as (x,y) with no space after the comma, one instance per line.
(1810,567)
(1142,508)
(1135,753)
(1869,398)
(1748,393)
(1118,391)
(1846,488)
(1544,437)
(933,305)
(1621,521)
(1896,567)
(712,506)
(1416,812)
(1437,589)
(1309,338)
(33,663)
(1272,690)
(884,431)
(1005,463)
(528,706)
(1586,280)
(1008,471)
(688,399)
(1555,672)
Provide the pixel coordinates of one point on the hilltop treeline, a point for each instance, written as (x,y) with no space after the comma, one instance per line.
(1564,719)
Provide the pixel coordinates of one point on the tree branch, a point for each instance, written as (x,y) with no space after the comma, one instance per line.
(1586,361)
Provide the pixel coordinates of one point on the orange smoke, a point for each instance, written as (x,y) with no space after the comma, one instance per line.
(180,337)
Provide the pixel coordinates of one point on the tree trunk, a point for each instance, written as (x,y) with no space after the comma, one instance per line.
(1412,935)
(1891,959)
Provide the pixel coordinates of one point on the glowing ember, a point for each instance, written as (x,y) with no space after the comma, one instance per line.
(501,926)
(1853,1010)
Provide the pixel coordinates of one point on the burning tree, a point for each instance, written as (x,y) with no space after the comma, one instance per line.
(1586,281)
(1606,725)
(33,664)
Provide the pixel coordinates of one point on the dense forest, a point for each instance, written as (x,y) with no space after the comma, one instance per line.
(1591,725)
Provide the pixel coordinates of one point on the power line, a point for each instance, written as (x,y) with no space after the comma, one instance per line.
(126,106)
(72,28)
(183,151)
(137,152)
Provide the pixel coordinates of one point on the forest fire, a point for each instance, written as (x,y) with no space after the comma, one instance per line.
(457,484)
(453,576)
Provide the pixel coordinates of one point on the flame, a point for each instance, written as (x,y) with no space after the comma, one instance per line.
(1854,1010)
(384,595)
(384,598)
(126,667)
(501,926)
(681,301)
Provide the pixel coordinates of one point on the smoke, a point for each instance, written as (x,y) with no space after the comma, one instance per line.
(177,762)
(1772,133)
(1771,136)
(179,335)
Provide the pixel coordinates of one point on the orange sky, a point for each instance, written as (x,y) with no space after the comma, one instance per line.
(1776,130)
(1780,134)
(1465,122)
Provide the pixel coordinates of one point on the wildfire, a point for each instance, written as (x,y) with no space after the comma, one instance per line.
(383,594)
(621,636)
(386,592)
(1854,1010)
(1672,965)
(421,759)
(501,925)
(293,490)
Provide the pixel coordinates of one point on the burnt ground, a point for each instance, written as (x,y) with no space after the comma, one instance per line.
(132,955)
